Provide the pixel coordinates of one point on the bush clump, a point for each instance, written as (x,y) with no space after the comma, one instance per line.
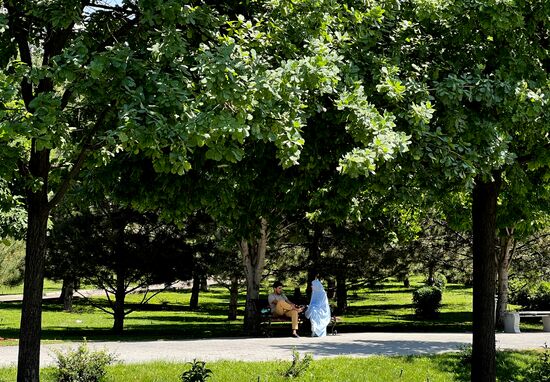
(12,262)
(82,365)
(536,297)
(540,370)
(427,301)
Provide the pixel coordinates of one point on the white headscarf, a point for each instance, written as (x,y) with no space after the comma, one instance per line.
(318,311)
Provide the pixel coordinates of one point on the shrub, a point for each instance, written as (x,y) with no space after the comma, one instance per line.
(82,364)
(540,370)
(298,366)
(197,373)
(12,263)
(536,297)
(465,355)
(427,301)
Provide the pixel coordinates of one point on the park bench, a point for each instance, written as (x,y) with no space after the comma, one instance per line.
(333,321)
(511,320)
(267,318)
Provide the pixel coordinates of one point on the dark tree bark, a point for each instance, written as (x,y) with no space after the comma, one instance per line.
(195,290)
(28,365)
(254,253)
(120,296)
(314,256)
(431,278)
(233,298)
(331,288)
(67,290)
(484,208)
(204,283)
(341,294)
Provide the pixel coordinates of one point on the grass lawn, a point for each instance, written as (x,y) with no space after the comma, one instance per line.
(49,286)
(440,368)
(384,308)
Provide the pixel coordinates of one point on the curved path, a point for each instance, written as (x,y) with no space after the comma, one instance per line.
(261,349)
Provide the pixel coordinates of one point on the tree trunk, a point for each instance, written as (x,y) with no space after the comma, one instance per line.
(431,278)
(254,263)
(504,258)
(314,256)
(194,300)
(331,288)
(484,208)
(67,291)
(341,294)
(120,296)
(28,365)
(204,283)
(233,298)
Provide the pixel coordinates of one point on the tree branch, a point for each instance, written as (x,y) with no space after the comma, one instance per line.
(64,187)
(90,302)
(20,32)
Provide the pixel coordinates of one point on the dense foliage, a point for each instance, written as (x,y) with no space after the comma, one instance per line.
(427,301)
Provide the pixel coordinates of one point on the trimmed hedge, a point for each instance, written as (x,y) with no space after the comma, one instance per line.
(427,301)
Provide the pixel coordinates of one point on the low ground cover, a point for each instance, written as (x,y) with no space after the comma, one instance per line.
(512,366)
(385,307)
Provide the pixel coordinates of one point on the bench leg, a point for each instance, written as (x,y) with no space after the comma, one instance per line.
(511,322)
(546,323)
(333,323)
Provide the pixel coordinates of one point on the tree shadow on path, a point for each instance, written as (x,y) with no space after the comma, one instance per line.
(362,348)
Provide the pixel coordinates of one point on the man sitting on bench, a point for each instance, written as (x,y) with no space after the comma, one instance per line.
(282,307)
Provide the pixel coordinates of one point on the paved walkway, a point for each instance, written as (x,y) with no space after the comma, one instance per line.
(261,349)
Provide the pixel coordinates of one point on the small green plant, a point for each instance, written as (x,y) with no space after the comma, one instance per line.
(540,369)
(427,301)
(298,366)
(197,373)
(465,355)
(82,364)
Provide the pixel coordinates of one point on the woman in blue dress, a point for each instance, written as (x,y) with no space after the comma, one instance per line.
(318,311)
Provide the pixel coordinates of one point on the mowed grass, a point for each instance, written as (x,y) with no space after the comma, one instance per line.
(49,286)
(511,366)
(387,307)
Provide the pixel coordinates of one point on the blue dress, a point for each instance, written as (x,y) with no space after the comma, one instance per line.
(318,311)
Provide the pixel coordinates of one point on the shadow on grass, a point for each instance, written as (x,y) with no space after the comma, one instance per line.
(393,291)
(174,319)
(137,333)
(362,309)
(510,366)
(462,288)
(15,305)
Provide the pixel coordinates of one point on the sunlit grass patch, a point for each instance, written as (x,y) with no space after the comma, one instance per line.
(511,366)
